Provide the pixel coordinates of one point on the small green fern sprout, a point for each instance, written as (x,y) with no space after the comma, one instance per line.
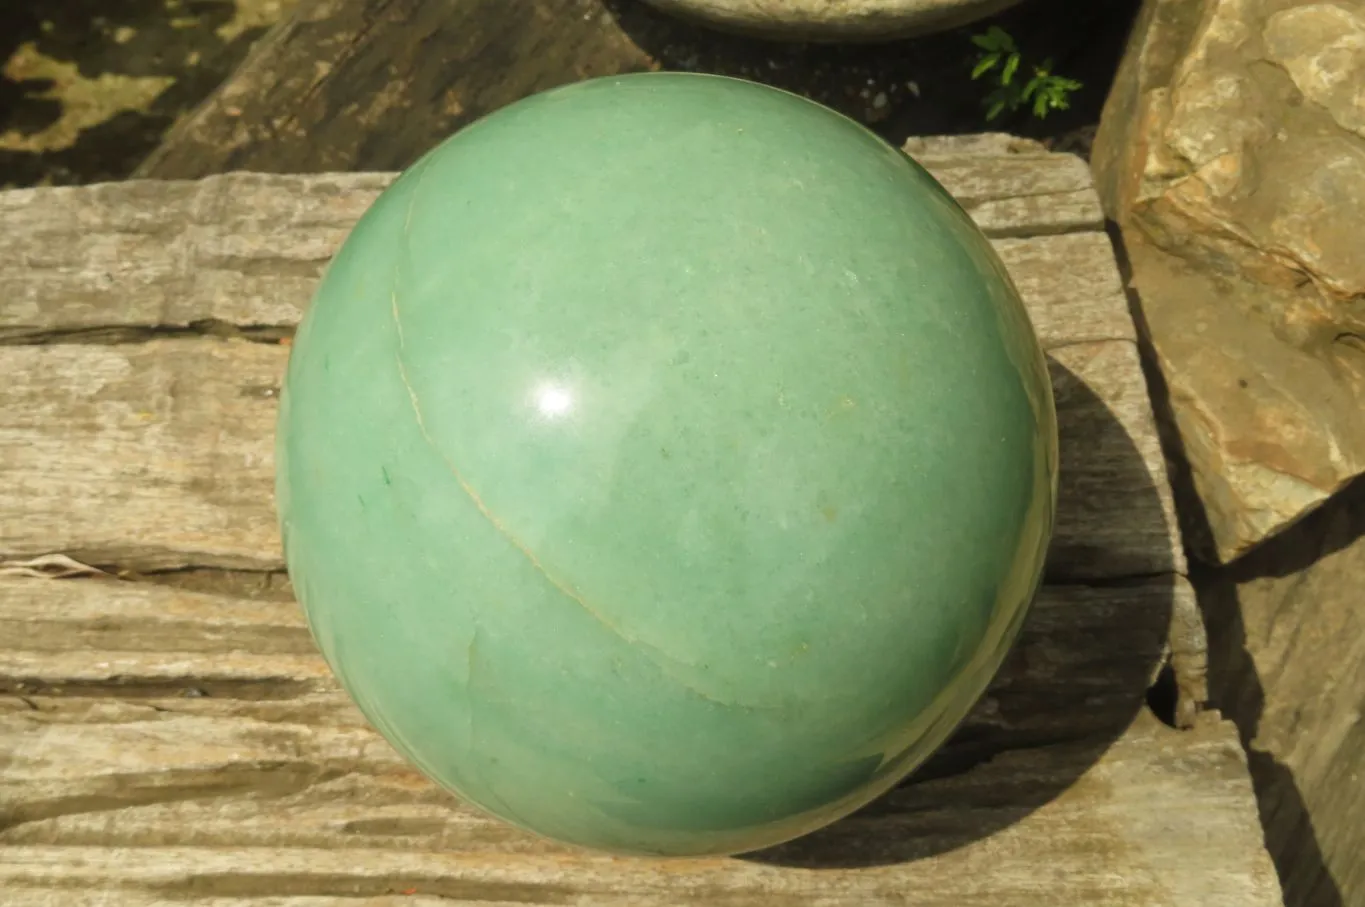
(1044,92)
(1047,92)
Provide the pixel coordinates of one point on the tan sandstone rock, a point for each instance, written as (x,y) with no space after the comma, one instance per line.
(1232,155)
(835,20)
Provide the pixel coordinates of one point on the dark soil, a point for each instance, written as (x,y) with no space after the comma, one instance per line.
(88,87)
(924,84)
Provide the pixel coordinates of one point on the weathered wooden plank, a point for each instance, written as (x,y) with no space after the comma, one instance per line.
(185,790)
(328,707)
(971,144)
(236,673)
(160,455)
(155,454)
(344,85)
(122,897)
(1159,817)
(1049,193)
(272,712)
(1084,661)
(1071,287)
(246,249)
(229,738)
(150,641)
(242,250)
(1079,671)
(142,639)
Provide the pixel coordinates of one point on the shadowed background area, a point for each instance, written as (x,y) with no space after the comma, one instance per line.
(89,89)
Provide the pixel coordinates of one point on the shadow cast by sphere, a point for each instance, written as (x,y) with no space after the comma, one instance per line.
(919,86)
(1235,685)
(1074,682)
(181,55)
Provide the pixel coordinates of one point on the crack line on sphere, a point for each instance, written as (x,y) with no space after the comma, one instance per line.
(492,518)
(398,325)
(660,658)
(412,203)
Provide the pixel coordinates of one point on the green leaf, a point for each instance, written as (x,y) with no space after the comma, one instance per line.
(1043,92)
(985,65)
(1011,67)
(994,39)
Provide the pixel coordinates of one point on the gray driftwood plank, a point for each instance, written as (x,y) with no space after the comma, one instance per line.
(246,249)
(1059,789)
(164,746)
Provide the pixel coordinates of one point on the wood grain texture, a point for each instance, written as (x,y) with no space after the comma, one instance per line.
(160,455)
(1109,840)
(274,786)
(1112,837)
(241,250)
(345,85)
(151,455)
(246,250)
(1084,661)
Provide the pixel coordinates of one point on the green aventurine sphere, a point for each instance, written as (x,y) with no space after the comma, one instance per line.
(666,464)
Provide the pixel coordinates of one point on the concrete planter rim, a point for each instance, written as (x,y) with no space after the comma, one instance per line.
(832,21)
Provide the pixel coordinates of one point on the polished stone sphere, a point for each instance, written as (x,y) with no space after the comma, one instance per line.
(666,464)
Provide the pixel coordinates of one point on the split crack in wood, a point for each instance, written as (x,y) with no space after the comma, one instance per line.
(48,566)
